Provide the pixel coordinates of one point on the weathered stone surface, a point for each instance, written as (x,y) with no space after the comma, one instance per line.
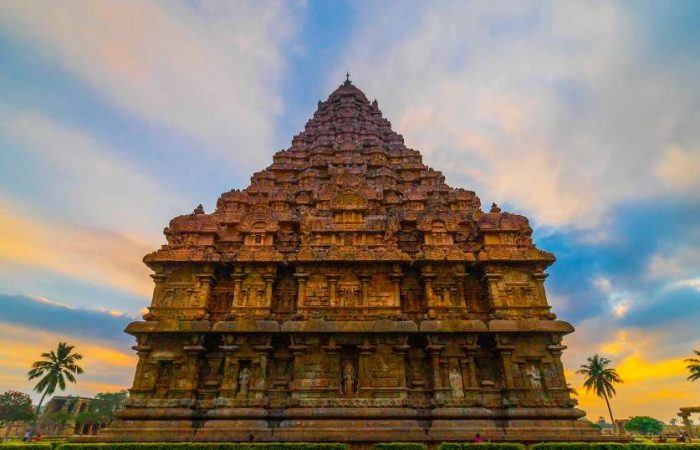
(349,294)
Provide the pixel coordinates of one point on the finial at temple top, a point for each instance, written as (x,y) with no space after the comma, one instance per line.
(347,77)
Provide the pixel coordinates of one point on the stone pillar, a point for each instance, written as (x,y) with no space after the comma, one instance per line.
(459,293)
(396,276)
(189,373)
(159,280)
(492,279)
(470,350)
(556,352)
(301,296)
(435,351)
(332,289)
(143,350)
(364,279)
(539,281)
(205,281)
(261,380)
(428,276)
(269,279)
(363,372)
(505,350)
(238,277)
(229,378)
(689,429)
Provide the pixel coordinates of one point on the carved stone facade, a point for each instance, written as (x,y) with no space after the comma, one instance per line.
(349,294)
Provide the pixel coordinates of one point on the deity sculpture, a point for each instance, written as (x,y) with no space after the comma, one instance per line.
(535,377)
(243,381)
(348,378)
(456,383)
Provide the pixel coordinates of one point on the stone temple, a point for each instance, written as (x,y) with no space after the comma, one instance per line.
(348,294)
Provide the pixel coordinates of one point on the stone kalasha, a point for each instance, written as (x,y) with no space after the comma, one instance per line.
(349,294)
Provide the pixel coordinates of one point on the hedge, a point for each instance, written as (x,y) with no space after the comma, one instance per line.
(400,446)
(203,446)
(613,446)
(26,446)
(480,446)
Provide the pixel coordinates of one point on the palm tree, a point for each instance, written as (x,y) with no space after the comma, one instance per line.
(694,367)
(600,379)
(54,370)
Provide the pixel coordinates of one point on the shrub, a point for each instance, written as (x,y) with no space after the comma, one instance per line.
(480,446)
(613,446)
(203,446)
(400,446)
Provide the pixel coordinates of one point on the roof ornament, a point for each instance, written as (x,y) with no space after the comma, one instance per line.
(495,208)
(198,210)
(347,78)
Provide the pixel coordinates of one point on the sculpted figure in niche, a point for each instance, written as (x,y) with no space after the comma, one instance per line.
(165,374)
(456,383)
(347,378)
(243,382)
(535,377)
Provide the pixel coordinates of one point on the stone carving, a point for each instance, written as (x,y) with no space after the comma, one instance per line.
(347,284)
(456,383)
(348,378)
(243,382)
(535,377)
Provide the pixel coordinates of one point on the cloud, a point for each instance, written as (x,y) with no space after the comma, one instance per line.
(108,367)
(57,317)
(209,71)
(83,180)
(560,110)
(680,168)
(87,253)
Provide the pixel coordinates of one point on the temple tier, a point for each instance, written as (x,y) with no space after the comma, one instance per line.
(349,294)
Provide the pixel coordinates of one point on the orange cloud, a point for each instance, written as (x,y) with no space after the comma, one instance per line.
(106,368)
(654,385)
(90,254)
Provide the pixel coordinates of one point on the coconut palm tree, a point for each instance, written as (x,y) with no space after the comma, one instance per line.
(54,369)
(601,379)
(694,367)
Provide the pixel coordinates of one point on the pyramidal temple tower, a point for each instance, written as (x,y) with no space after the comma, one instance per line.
(348,294)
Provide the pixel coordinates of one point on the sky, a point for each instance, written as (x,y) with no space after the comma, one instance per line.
(116,116)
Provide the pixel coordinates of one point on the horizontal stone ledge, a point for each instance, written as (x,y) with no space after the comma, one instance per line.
(351,326)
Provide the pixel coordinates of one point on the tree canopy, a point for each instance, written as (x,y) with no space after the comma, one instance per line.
(694,367)
(54,369)
(15,406)
(644,425)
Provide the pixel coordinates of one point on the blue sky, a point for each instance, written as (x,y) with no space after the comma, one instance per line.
(117,116)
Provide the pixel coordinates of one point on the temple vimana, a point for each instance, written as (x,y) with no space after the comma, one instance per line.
(348,294)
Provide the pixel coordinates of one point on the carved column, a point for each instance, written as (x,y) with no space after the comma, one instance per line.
(364,376)
(470,351)
(301,296)
(238,277)
(143,379)
(364,279)
(556,352)
(396,276)
(492,279)
(297,348)
(435,351)
(269,279)
(229,380)
(189,373)
(332,289)
(205,281)
(261,380)
(428,277)
(159,280)
(459,294)
(505,350)
(402,351)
